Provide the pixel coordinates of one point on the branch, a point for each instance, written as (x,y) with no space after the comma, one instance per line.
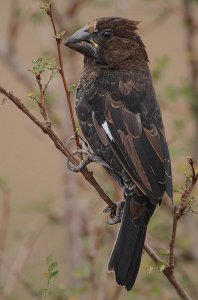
(59,145)
(179,211)
(58,38)
(171,278)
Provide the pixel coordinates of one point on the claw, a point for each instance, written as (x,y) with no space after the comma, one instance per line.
(79,167)
(119,211)
(114,221)
(107,209)
(91,157)
(83,143)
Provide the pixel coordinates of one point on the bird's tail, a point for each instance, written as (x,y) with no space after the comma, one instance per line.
(126,255)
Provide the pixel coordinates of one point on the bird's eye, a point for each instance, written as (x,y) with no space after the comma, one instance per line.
(107,34)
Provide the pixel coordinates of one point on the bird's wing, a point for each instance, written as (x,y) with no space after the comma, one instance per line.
(133,129)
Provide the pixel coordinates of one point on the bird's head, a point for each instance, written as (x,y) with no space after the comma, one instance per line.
(109,41)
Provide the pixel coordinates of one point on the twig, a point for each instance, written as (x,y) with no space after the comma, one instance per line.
(58,38)
(171,278)
(41,101)
(4,221)
(171,263)
(178,213)
(59,145)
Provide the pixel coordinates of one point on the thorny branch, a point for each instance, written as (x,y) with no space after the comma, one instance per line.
(58,38)
(41,101)
(171,278)
(179,211)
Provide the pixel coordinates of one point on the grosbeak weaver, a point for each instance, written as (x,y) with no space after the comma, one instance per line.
(121,120)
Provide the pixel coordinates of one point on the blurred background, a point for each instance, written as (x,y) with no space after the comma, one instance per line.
(47,210)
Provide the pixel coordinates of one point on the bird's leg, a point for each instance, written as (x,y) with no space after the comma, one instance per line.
(90,157)
(119,211)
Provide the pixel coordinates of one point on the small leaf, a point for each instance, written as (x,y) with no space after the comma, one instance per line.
(162,268)
(53,275)
(164,252)
(71,87)
(53,267)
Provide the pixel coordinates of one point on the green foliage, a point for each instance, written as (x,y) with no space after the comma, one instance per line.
(60,35)
(43,64)
(164,252)
(39,66)
(34,96)
(71,87)
(162,268)
(51,273)
(46,6)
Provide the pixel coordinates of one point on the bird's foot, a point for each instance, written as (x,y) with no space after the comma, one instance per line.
(115,218)
(83,144)
(87,153)
(90,157)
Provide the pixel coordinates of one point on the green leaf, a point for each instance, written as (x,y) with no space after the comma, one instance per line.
(45,6)
(164,252)
(53,276)
(71,87)
(34,97)
(162,268)
(53,267)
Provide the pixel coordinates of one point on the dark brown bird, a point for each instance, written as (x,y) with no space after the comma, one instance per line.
(121,120)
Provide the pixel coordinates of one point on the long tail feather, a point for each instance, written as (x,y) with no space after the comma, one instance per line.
(126,255)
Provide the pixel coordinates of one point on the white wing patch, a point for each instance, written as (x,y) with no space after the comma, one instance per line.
(107,131)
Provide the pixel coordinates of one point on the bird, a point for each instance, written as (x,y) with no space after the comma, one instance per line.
(121,120)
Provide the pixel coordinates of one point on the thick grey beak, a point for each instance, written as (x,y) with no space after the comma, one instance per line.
(77,37)
(82,42)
